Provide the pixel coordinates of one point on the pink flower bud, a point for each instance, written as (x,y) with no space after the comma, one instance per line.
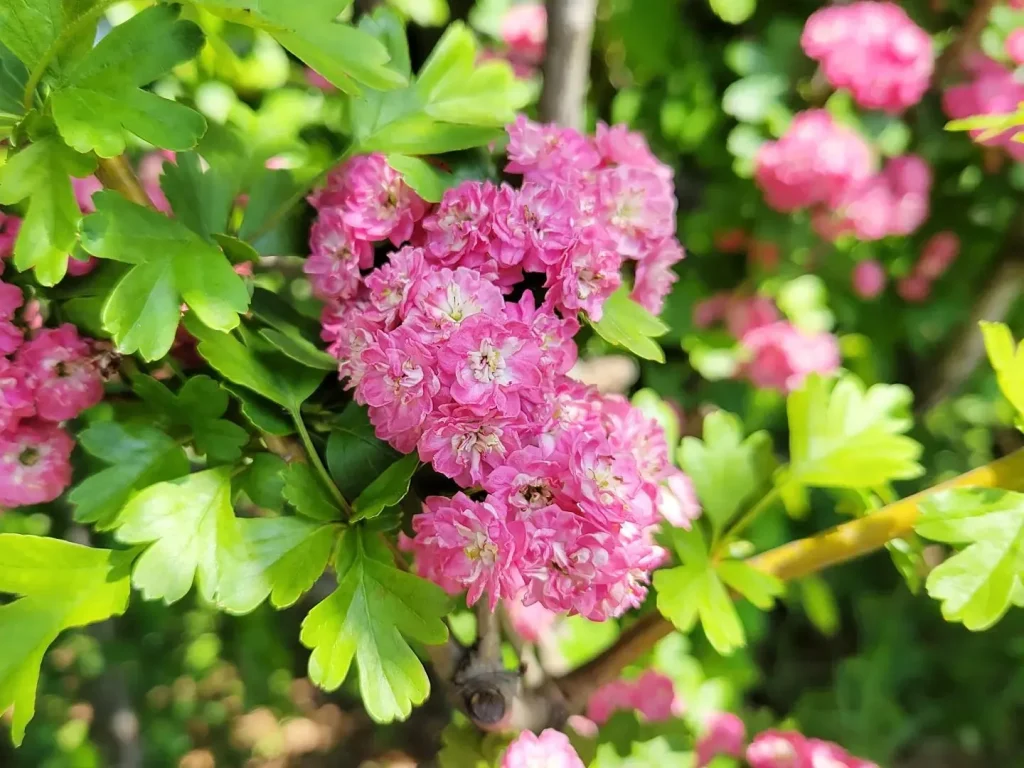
(868,279)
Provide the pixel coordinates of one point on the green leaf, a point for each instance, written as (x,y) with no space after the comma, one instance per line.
(387,489)
(339,52)
(304,490)
(139,456)
(300,349)
(758,587)
(274,377)
(171,264)
(842,436)
(279,557)
(750,98)
(1007,359)
(455,103)
(428,181)
(201,200)
(354,453)
(197,406)
(261,413)
(626,324)
(13,77)
(59,585)
(50,227)
(426,13)
(190,531)
(99,99)
(733,11)
(367,618)
(694,590)
(30,27)
(976,585)
(263,481)
(727,470)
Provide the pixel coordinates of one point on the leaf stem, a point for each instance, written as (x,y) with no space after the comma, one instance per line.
(748,517)
(314,457)
(68,33)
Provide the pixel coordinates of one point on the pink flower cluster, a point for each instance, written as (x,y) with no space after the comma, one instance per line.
(937,256)
(723,734)
(451,366)
(551,749)
(9,228)
(829,168)
(788,749)
(524,30)
(993,90)
(778,354)
(873,49)
(44,380)
(652,694)
(892,202)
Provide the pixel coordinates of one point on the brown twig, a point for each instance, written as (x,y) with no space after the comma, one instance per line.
(567,61)
(966,42)
(792,561)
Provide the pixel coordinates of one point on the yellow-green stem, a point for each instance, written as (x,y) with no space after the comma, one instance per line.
(793,561)
(314,458)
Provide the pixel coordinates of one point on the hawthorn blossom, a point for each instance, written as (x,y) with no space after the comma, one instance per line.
(35,464)
(993,90)
(778,749)
(458,232)
(336,257)
(63,376)
(782,355)
(724,734)
(464,445)
(875,50)
(551,749)
(11,335)
(9,228)
(442,299)
(465,544)
(588,275)
(17,400)
(548,150)
(654,276)
(524,30)
(868,279)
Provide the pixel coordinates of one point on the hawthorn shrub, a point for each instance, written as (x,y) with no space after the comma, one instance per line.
(350,406)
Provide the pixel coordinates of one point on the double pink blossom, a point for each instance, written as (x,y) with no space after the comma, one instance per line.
(992,90)
(782,355)
(551,749)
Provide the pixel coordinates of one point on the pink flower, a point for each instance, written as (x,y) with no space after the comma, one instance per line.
(9,228)
(465,544)
(35,464)
(551,749)
(84,190)
(491,365)
(869,279)
(524,29)
(530,622)
(744,314)
(533,226)
(553,333)
(459,229)
(318,81)
(677,501)
(608,478)
(782,355)
(724,734)
(66,381)
(914,289)
(548,151)
(10,335)
(1015,46)
(82,267)
(375,203)
(398,383)
(336,257)
(778,749)
(348,331)
(617,145)
(389,287)
(442,299)
(654,275)
(937,255)
(16,398)
(151,168)
(993,91)
(528,480)
(587,276)
(654,697)
(464,445)
(609,699)
(638,206)
(816,161)
(875,50)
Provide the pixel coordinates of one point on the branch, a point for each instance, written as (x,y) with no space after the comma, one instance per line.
(966,42)
(116,173)
(967,349)
(567,61)
(792,561)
